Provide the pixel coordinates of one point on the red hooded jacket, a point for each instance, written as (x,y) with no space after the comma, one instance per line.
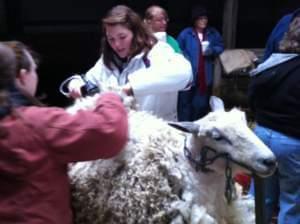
(41,141)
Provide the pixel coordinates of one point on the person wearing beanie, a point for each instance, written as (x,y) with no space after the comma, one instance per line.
(200,44)
(274,96)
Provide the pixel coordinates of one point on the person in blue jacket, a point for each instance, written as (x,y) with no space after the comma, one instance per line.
(278,32)
(200,44)
(274,97)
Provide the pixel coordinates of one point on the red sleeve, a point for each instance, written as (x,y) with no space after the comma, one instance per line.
(87,135)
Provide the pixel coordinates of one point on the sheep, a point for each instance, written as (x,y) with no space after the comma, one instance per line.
(166,175)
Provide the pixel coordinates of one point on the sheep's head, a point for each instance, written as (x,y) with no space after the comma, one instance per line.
(228,134)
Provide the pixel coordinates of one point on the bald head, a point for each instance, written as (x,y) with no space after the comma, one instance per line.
(154,10)
(156,18)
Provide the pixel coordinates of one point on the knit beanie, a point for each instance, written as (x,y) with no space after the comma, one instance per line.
(197,12)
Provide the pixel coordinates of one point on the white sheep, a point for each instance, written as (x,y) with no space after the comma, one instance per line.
(168,176)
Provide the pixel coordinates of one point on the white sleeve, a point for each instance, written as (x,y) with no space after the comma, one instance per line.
(168,72)
(94,74)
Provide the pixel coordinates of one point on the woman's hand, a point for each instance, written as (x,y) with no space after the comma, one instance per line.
(74,87)
(127,89)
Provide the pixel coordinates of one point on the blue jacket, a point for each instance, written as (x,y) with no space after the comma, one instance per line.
(191,48)
(278,32)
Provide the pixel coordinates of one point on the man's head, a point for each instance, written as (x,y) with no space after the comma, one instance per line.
(156,18)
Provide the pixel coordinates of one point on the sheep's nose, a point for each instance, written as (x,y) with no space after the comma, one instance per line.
(270,162)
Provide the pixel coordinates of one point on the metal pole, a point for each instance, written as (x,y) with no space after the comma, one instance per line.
(260,211)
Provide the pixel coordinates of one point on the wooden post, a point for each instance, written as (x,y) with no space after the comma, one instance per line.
(230,22)
(260,211)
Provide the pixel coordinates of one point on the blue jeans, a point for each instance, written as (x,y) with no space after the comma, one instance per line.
(283,187)
(192,105)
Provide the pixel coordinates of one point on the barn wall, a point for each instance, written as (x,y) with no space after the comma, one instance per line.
(67,33)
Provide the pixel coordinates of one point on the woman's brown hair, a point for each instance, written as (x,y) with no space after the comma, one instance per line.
(143,39)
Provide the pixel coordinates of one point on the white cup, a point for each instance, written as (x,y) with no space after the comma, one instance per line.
(205,45)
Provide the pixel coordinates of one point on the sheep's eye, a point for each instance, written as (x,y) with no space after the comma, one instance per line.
(215,134)
(218,136)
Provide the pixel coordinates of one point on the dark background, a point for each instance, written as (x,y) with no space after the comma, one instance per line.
(66,33)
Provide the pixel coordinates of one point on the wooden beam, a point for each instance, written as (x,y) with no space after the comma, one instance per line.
(230,23)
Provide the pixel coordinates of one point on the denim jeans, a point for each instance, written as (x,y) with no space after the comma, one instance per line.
(192,105)
(283,187)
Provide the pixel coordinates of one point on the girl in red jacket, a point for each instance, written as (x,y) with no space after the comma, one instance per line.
(37,143)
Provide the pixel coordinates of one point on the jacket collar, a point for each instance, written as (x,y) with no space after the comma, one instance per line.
(16,99)
(193,32)
(273,60)
(121,65)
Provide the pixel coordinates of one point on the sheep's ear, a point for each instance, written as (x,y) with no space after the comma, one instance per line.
(216,103)
(189,127)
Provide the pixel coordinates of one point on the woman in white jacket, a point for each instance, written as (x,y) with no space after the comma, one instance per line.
(132,58)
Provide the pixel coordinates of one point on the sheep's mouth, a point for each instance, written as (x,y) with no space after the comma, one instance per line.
(264,170)
(257,168)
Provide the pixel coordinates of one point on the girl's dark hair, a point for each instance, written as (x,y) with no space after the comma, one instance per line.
(14,56)
(291,39)
(21,52)
(7,76)
(7,72)
(143,39)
